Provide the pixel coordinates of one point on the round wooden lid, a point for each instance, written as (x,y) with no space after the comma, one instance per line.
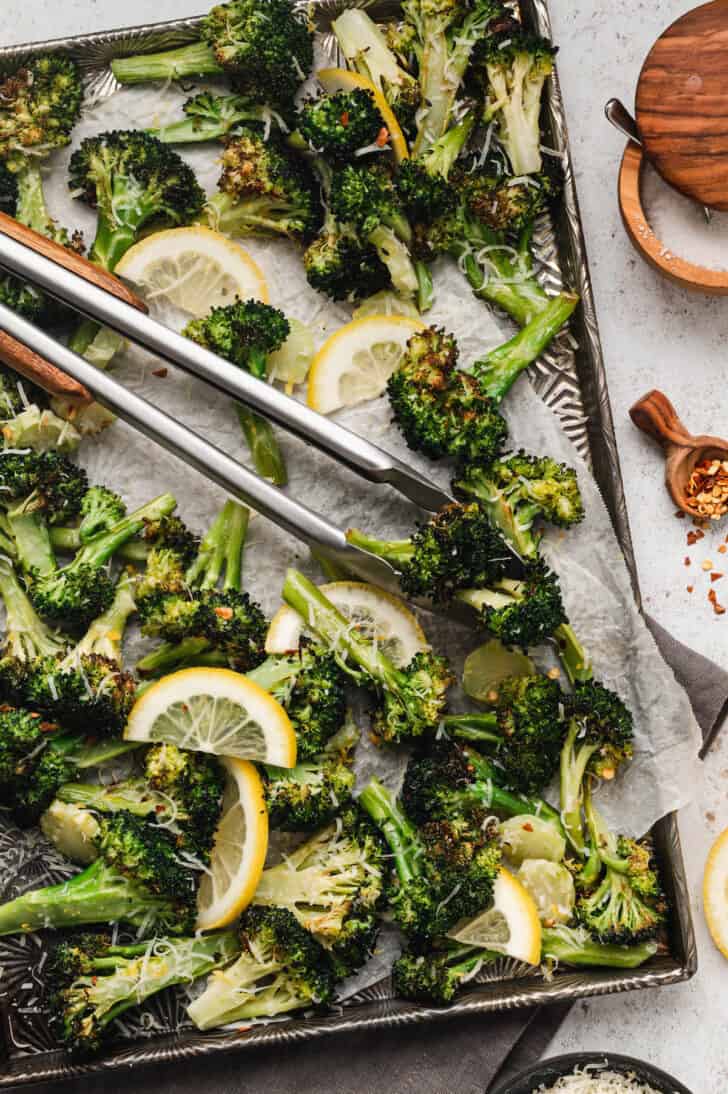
(681,104)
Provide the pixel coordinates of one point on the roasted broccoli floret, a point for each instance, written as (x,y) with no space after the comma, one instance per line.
(309,795)
(265,45)
(598,741)
(264,189)
(182,790)
(512,67)
(334,885)
(134,182)
(185,607)
(246,333)
(444,872)
(210,117)
(343,267)
(342,124)
(366,49)
(456,548)
(521,612)
(92,981)
(574,946)
(26,636)
(83,590)
(412,699)
(434,977)
(101,509)
(500,201)
(282,968)
(136,879)
(518,490)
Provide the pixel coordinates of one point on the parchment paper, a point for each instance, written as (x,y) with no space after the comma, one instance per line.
(594,577)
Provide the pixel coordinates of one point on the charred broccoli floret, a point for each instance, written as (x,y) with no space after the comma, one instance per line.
(309,795)
(264,189)
(334,884)
(434,977)
(342,267)
(512,67)
(342,124)
(246,333)
(518,490)
(182,790)
(521,612)
(265,45)
(92,981)
(282,968)
(598,741)
(454,549)
(210,117)
(136,879)
(502,202)
(26,636)
(444,872)
(412,699)
(101,509)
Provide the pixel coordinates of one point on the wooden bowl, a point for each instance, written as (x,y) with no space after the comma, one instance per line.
(696,278)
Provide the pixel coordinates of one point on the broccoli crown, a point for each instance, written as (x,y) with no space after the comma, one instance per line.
(415,704)
(266,44)
(509,45)
(504,203)
(47,480)
(73,597)
(551,486)
(100,509)
(424,196)
(334,885)
(522,613)
(91,695)
(434,977)
(457,548)
(620,912)
(244,333)
(363,197)
(230,620)
(171,533)
(133,179)
(343,268)
(170,616)
(528,711)
(235,624)
(30,772)
(604,721)
(22,298)
(309,795)
(441,409)
(270,187)
(39,105)
(432,781)
(341,124)
(315,700)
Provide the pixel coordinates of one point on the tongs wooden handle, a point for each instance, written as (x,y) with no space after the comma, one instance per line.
(19,356)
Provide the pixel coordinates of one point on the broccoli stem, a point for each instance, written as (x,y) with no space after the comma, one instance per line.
(399,833)
(198,129)
(106,632)
(499,370)
(521,298)
(96,895)
(69,539)
(31,208)
(263,444)
(32,543)
(221,550)
(321,616)
(425,289)
(398,552)
(99,550)
(27,635)
(394,254)
(575,948)
(574,761)
(572,654)
(196,59)
(171,656)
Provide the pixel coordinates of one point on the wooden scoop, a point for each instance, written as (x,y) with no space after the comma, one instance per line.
(655,415)
(22,359)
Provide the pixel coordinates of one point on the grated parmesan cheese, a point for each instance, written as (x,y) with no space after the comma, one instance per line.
(587,1081)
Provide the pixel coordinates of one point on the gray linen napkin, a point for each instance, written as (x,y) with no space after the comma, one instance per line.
(462,1056)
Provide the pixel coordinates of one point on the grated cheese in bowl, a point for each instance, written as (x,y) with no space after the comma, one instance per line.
(586,1081)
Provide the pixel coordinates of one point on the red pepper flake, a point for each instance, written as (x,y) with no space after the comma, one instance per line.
(344,119)
(224,613)
(690,588)
(687,560)
(160,372)
(716,575)
(722,549)
(717,608)
(527,827)
(680,515)
(48,727)
(382,137)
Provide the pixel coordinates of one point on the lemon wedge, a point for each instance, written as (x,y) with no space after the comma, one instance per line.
(354,364)
(375,614)
(217,711)
(193,269)
(340,79)
(238,854)
(715,892)
(510,925)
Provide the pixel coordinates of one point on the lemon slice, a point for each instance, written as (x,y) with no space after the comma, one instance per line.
(217,711)
(509,926)
(193,269)
(715,892)
(354,364)
(241,844)
(376,614)
(385,302)
(340,79)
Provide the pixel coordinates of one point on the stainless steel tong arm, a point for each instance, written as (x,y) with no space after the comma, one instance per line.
(366,459)
(299,520)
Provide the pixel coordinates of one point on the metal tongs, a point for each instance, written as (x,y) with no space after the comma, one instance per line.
(32,258)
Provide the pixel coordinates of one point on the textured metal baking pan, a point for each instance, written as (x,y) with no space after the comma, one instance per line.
(571,379)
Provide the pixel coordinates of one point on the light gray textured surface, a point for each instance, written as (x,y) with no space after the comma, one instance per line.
(654,335)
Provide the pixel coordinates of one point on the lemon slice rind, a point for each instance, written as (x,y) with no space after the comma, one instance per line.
(342,79)
(512,913)
(715,892)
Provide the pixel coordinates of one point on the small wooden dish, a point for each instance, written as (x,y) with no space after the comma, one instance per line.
(696,278)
